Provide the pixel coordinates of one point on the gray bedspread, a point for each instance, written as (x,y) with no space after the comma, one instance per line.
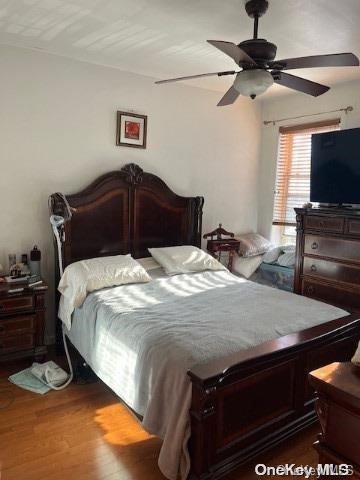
(142,339)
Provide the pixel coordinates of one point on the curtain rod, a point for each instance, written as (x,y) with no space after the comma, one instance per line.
(274,122)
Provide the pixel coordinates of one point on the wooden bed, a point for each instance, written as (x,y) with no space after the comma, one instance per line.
(243,404)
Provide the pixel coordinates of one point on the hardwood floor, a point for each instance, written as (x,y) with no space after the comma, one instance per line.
(85,433)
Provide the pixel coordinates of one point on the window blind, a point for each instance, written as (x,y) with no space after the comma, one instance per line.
(292,187)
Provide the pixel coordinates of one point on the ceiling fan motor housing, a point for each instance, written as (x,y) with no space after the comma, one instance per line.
(256,8)
(260,50)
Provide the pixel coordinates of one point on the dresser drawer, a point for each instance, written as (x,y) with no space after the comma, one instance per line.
(330,294)
(325,224)
(16,342)
(331,270)
(16,325)
(353,227)
(16,304)
(336,248)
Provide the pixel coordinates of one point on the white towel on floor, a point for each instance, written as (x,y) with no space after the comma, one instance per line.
(25,379)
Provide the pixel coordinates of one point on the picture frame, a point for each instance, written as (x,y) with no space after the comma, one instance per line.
(131,130)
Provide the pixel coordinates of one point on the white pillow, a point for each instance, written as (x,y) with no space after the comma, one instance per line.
(252,244)
(184,259)
(246,266)
(287,259)
(272,255)
(85,276)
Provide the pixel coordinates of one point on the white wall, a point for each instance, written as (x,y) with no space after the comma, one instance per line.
(57,125)
(293,105)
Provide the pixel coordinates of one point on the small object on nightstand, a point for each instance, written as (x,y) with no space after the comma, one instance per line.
(338,408)
(35,258)
(216,246)
(12,260)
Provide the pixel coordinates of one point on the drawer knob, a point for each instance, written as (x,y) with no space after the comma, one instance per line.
(310,289)
(2,328)
(322,223)
(313,268)
(314,245)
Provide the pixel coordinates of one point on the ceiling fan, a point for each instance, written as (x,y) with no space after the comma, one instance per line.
(259,69)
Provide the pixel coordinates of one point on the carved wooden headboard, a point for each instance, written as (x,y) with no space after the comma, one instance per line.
(127,211)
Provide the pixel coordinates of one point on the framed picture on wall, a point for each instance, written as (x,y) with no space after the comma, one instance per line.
(131,130)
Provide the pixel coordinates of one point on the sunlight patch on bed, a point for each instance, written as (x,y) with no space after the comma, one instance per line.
(135,298)
(125,359)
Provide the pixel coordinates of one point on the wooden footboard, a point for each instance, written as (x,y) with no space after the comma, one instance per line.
(246,403)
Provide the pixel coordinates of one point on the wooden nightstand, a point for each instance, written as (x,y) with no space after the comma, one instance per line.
(22,322)
(338,408)
(219,245)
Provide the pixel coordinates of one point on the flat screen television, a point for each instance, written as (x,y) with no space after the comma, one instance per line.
(335,167)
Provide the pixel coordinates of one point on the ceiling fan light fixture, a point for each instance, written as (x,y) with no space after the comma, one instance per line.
(251,83)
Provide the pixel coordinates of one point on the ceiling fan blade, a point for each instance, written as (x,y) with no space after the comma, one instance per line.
(300,84)
(219,74)
(229,98)
(235,52)
(336,60)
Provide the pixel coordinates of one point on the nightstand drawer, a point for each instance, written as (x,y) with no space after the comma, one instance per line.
(17,342)
(16,304)
(17,325)
(225,247)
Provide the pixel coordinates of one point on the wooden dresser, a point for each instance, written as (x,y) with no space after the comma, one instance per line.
(22,322)
(328,256)
(338,408)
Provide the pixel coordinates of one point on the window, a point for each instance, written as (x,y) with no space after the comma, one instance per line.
(293,172)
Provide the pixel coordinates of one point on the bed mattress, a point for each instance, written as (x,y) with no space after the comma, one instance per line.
(142,339)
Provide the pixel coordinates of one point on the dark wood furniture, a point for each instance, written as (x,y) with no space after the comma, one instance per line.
(22,322)
(242,404)
(338,408)
(219,245)
(125,211)
(328,256)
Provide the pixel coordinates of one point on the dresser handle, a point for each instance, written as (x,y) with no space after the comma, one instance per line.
(322,223)
(314,245)
(313,268)
(310,289)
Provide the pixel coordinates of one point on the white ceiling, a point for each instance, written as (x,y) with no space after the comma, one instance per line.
(167,38)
